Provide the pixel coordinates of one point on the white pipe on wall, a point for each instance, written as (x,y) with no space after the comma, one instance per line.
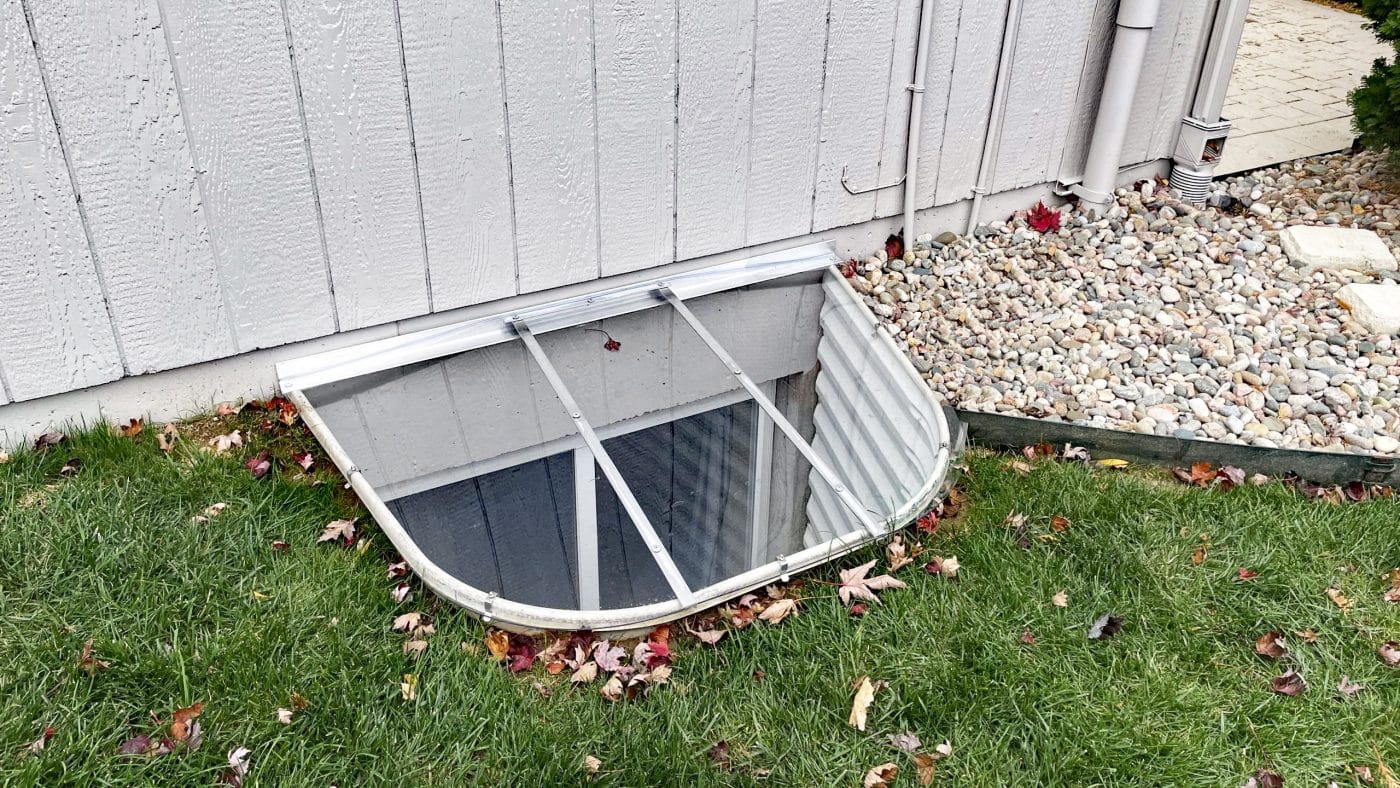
(916,113)
(1136,19)
(991,145)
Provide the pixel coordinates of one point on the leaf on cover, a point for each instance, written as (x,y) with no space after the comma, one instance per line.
(860,705)
(779,610)
(1105,626)
(497,644)
(1290,683)
(338,529)
(1271,645)
(1348,688)
(855,585)
(1060,599)
(880,776)
(908,742)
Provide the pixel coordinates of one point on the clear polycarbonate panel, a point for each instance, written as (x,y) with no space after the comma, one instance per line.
(474,455)
(694,479)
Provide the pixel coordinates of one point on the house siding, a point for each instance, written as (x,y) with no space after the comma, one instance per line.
(186,181)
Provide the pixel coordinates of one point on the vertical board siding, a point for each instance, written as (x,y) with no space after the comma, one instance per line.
(636,83)
(789,47)
(240,104)
(347,59)
(948,163)
(1102,28)
(716,102)
(860,51)
(1177,79)
(110,83)
(550,101)
(54,331)
(890,200)
(1049,56)
(453,56)
(947,74)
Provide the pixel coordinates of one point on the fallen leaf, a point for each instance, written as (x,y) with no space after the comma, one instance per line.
(408,688)
(612,689)
(608,656)
(4,457)
(522,654)
(948,567)
(1230,477)
(238,763)
(226,409)
(402,592)
(415,648)
(88,662)
(1198,556)
(49,439)
(585,674)
(1247,574)
(908,742)
(1043,219)
(1020,466)
(1027,637)
(1074,453)
(1290,683)
(1059,524)
(858,609)
(1390,653)
(305,460)
(132,429)
(591,765)
(880,776)
(944,750)
(407,621)
(1113,464)
(924,768)
(927,523)
(1308,635)
(1060,599)
(1392,595)
(860,706)
(719,755)
(338,529)
(37,746)
(396,570)
(894,246)
(181,719)
(165,439)
(259,465)
(222,443)
(707,636)
(1348,688)
(779,610)
(1264,779)
(896,553)
(299,701)
(284,716)
(498,643)
(210,512)
(854,584)
(1105,626)
(71,467)
(1271,645)
(1036,451)
(136,745)
(1339,599)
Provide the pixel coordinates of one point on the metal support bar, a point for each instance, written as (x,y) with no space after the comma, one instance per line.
(586,529)
(600,455)
(818,464)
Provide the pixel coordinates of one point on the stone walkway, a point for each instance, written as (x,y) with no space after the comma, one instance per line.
(1288,94)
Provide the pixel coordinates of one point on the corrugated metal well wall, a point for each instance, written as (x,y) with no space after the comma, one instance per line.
(183,181)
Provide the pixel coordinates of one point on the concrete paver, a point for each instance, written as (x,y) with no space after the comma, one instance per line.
(1297,62)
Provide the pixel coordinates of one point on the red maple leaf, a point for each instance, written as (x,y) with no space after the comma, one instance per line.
(521,653)
(894,246)
(1043,219)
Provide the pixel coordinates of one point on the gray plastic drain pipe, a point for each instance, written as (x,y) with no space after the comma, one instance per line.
(1135,21)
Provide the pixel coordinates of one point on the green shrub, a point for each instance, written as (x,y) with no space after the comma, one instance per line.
(1377,102)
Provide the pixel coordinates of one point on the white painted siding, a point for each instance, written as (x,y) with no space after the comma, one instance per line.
(187,180)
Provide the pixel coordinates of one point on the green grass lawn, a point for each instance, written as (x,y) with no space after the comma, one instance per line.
(189,612)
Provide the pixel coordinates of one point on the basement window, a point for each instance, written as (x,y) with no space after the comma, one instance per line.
(622,458)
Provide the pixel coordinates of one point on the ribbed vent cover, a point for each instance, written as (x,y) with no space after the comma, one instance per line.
(1194,186)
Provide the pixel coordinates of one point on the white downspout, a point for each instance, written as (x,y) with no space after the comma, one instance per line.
(916,113)
(996,119)
(1136,19)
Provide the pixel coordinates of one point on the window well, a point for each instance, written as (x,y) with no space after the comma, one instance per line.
(613,460)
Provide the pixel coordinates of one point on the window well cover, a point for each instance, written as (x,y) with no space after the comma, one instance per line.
(616,460)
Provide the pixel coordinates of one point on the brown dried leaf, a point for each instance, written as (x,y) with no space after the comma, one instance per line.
(855,585)
(923,767)
(90,663)
(1027,637)
(1390,653)
(612,689)
(880,776)
(591,765)
(284,716)
(1271,645)
(1348,688)
(719,755)
(1020,466)
(132,429)
(415,648)
(779,610)
(1060,599)
(860,706)
(1290,683)
(498,643)
(407,621)
(338,529)
(1308,635)
(1059,524)
(408,688)
(181,720)
(223,443)
(708,636)
(1339,599)
(897,554)
(586,673)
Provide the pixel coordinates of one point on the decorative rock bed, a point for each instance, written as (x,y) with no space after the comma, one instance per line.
(1161,318)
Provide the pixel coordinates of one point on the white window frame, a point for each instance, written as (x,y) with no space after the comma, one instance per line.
(523,324)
